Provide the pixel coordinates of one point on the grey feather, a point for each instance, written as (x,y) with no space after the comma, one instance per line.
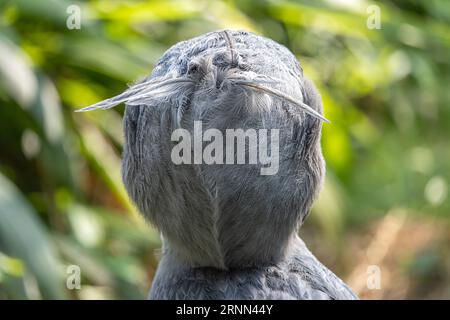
(228,232)
(144,93)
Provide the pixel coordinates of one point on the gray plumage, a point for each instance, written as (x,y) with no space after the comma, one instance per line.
(228,232)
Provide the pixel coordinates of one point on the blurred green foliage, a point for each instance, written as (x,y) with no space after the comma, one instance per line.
(62,202)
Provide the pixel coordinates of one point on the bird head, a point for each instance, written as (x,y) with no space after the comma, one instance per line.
(222,213)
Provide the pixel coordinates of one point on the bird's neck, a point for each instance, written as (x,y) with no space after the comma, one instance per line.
(260,256)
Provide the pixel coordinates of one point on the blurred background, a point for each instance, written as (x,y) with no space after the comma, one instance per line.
(384,210)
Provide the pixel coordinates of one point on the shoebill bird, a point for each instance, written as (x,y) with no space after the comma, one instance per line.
(228,232)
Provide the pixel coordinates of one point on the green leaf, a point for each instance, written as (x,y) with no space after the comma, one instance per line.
(23,236)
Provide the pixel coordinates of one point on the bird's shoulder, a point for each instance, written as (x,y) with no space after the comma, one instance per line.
(300,277)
